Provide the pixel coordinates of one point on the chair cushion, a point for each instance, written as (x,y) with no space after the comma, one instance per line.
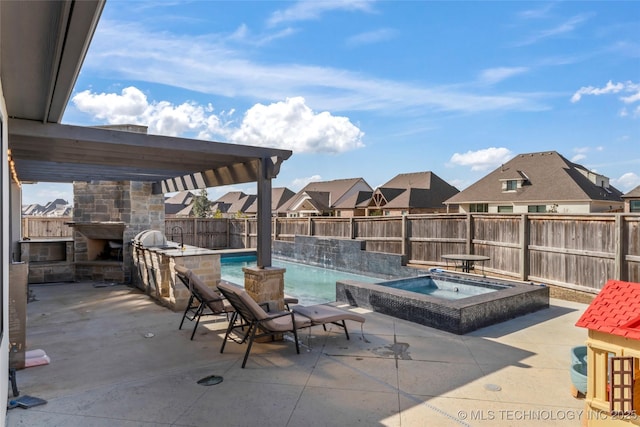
(320,314)
(212,298)
(283,324)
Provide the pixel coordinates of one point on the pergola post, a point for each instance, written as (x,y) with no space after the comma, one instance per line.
(264,214)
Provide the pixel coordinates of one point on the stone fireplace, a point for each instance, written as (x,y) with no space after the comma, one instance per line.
(106,217)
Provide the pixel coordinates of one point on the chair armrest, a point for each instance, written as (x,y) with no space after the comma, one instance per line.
(278,314)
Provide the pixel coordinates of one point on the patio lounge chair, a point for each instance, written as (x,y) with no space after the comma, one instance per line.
(203,301)
(253,315)
(322,314)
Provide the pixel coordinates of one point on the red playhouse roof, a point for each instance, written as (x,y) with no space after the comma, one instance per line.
(616,310)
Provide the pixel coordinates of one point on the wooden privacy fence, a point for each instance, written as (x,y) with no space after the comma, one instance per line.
(574,251)
(46,227)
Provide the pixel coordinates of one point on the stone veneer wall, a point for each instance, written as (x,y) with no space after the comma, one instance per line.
(342,254)
(49,260)
(157,276)
(147,213)
(127,201)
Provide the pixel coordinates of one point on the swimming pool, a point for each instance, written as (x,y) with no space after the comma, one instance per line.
(310,284)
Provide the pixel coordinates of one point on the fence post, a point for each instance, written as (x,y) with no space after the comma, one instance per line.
(228,221)
(618,241)
(309,227)
(405,249)
(246,233)
(275,228)
(352,228)
(196,242)
(469,248)
(25,227)
(524,246)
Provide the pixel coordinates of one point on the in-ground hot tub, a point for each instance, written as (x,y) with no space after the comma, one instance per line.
(465,303)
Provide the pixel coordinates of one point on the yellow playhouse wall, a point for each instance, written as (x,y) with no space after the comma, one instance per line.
(599,344)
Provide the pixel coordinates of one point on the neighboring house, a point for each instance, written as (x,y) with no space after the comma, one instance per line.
(540,182)
(354,205)
(179,205)
(411,193)
(632,200)
(328,198)
(613,355)
(279,198)
(58,207)
(232,204)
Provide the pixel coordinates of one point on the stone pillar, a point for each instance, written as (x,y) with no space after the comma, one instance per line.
(266,285)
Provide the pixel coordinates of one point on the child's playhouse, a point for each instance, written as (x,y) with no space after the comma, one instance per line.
(612,356)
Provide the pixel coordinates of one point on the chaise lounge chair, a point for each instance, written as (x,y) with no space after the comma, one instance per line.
(203,300)
(252,315)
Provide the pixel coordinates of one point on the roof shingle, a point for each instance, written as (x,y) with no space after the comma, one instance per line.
(616,310)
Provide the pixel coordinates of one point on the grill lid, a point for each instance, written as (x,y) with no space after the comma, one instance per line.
(150,238)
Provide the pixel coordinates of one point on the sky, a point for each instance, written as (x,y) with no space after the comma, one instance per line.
(372,89)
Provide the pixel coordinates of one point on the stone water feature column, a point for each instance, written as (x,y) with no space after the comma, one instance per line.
(266,285)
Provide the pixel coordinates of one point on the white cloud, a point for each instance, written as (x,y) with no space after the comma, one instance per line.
(482,159)
(495,75)
(311,10)
(212,58)
(541,12)
(632,98)
(578,157)
(613,88)
(371,37)
(299,183)
(566,27)
(290,124)
(626,182)
(293,125)
(610,87)
(132,107)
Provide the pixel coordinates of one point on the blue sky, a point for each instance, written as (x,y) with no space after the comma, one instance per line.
(372,89)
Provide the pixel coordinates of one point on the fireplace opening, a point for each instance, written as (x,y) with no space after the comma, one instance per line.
(104,250)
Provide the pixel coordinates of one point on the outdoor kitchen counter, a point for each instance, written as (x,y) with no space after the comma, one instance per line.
(178,252)
(156,271)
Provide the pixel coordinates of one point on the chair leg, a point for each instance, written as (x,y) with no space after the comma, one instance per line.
(295,337)
(253,328)
(229,328)
(344,326)
(186,310)
(196,316)
(14,384)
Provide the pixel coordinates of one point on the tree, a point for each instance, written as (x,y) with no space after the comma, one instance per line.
(201,204)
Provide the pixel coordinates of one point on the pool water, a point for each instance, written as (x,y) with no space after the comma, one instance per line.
(310,284)
(427,285)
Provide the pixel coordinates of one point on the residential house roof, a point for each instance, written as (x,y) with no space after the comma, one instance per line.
(356,200)
(279,197)
(233,202)
(546,176)
(59,207)
(415,190)
(325,195)
(633,194)
(185,212)
(176,204)
(615,310)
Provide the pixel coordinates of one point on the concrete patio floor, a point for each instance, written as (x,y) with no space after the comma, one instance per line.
(107,370)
